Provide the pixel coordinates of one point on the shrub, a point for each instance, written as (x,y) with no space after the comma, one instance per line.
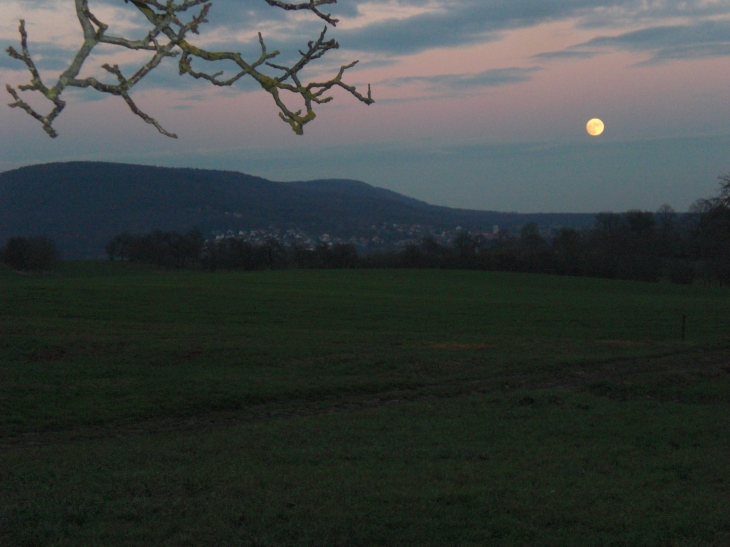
(31,254)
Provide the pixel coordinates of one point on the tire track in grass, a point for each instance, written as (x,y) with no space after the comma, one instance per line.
(713,362)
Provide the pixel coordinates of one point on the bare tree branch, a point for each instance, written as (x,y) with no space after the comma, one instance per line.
(311,6)
(168,37)
(36,84)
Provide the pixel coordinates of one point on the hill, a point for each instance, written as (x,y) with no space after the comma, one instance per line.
(82,205)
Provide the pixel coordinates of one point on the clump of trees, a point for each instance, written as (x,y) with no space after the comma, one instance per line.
(163,249)
(32,254)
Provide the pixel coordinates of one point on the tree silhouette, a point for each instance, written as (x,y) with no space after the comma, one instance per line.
(30,254)
(170,25)
(723,194)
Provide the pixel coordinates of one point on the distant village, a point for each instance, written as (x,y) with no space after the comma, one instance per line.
(385,236)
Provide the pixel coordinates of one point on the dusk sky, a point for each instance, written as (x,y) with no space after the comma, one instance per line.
(480,104)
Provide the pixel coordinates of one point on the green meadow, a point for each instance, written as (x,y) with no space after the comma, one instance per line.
(359,408)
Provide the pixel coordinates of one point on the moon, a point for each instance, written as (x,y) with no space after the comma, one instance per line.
(594,127)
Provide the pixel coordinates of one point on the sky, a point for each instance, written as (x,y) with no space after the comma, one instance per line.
(479,104)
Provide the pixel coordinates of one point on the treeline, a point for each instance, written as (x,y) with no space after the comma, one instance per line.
(174,250)
(163,249)
(32,254)
(636,245)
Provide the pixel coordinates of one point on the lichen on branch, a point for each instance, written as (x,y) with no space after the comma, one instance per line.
(169,37)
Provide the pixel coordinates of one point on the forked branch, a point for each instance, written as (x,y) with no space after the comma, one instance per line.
(311,6)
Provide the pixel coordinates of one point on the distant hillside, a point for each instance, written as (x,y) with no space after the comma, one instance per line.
(81,205)
(354,188)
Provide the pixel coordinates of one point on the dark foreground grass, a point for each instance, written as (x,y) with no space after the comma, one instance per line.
(361,408)
(570,469)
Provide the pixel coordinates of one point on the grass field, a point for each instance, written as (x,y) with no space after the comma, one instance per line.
(361,408)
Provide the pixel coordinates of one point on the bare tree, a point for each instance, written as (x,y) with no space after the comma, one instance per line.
(723,195)
(170,26)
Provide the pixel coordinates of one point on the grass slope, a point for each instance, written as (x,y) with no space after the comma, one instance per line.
(350,408)
(6,271)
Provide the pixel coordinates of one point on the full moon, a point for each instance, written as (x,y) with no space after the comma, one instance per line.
(594,127)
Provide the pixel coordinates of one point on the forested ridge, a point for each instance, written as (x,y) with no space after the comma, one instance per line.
(635,245)
(82,205)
